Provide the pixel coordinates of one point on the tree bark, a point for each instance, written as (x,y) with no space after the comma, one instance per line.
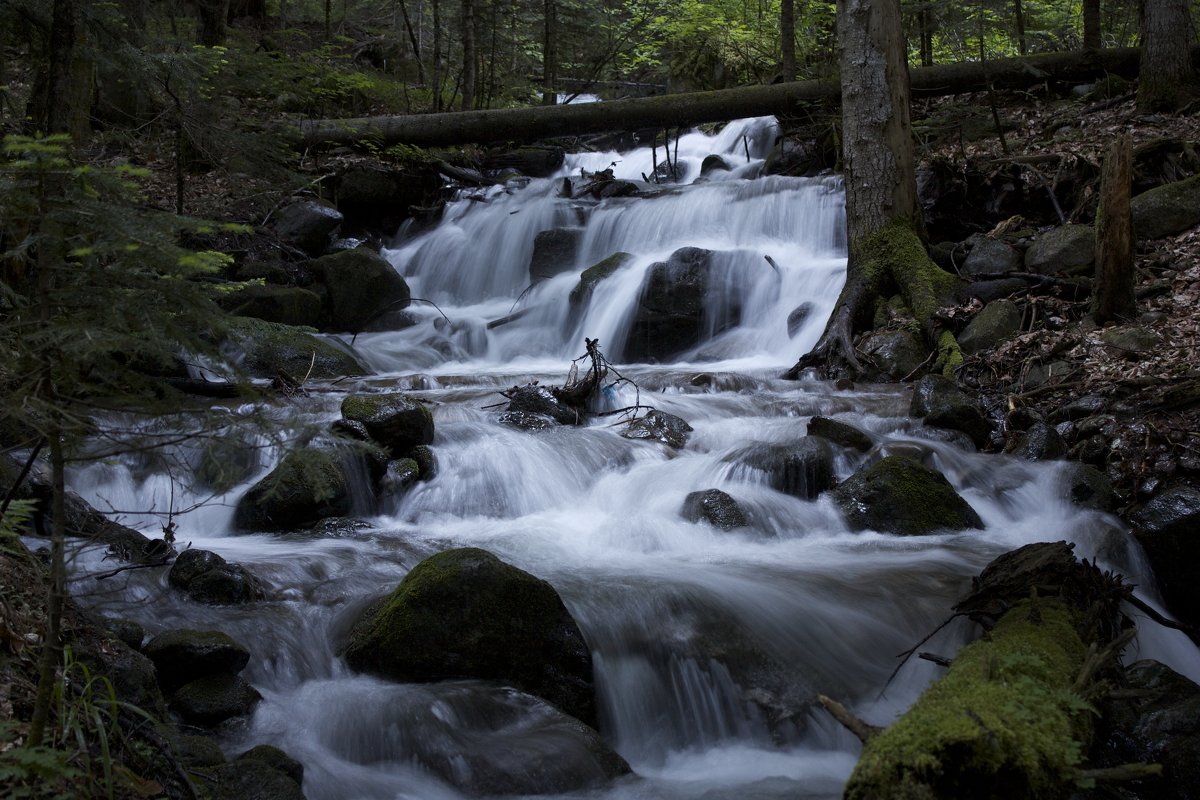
(438,67)
(925,22)
(1091,24)
(550,53)
(530,124)
(787,39)
(212,16)
(1167,76)
(1019,17)
(57,102)
(1114,293)
(470,57)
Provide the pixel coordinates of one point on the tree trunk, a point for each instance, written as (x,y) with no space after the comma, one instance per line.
(1168,78)
(212,16)
(412,38)
(1114,293)
(925,21)
(1019,17)
(56,112)
(438,67)
(672,110)
(787,39)
(550,53)
(470,57)
(1091,24)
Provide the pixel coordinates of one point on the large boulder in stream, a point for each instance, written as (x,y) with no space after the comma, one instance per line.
(285,305)
(306,487)
(595,274)
(208,578)
(802,469)
(183,656)
(252,779)
(362,286)
(1065,250)
(941,404)
(268,350)
(539,403)
(211,700)
(396,421)
(466,614)
(553,252)
(1168,527)
(669,317)
(902,496)
(307,225)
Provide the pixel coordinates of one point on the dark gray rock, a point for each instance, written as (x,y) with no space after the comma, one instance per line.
(466,614)
(715,507)
(1039,443)
(213,699)
(553,252)
(591,277)
(995,323)
(401,475)
(285,305)
(267,350)
(840,433)
(990,290)
(1088,487)
(182,656)
(1166,210)
(990,256)
(197,751)
(208,578)
(1168,528)
(362,286)
(396,421)
(1131,341)
(535,161)
(659,426)
(133,676)
(276,759)
(307,486)
(902,496)
(894,354)
(1065,250)
(427,465)
(802,469)
(252,779)
(307,225)
(941,404)
(526,421)
(1079,408)
(713,162)
(540,401)
(669,318)
(797,318)
(128,631)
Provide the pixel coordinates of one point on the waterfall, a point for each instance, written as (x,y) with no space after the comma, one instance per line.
(709,646)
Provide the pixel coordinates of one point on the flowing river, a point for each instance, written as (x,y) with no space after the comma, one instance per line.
(709,646)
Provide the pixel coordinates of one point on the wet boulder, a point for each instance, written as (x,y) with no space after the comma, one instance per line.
(427,464)
(797,317)
(206,577)
(1130,341)
(538,401)
(594,275)
(995,323)
(211,700)
(1088,487)
(133,676)
(532,160)
(182,656)
(401,475)
(840,433)
(1039,442)
(1166,210)
(375,197)
(1065,250)
(990,256)
(714,162)
(893,354)
(669,317)
(307,486)
(466,614)
(659,426)
(307,225)
(802,469)
(1168,528)
(396,421)
(276,759)
(901,496)
(285,305)
(715,507)
(941,404)
(553,252)
(252,779)
(267,350)
(362,286)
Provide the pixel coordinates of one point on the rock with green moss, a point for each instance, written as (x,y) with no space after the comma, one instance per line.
(1166,210)
(197,751)
(840,433)
(902,496)
(307,486)
(286,305)
(939,402)
(396,421)
(251,779)
(595,274)
(276,759)
(267,350)
(362,285)
(1065,250)
(466,614)
(894,354)
(208,578)
(995,323)
(1003,723)
(213,699)
(400,476)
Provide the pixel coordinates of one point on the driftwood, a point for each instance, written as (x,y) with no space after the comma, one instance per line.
(693,108)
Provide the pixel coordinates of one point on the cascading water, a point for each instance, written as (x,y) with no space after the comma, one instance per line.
(709,646)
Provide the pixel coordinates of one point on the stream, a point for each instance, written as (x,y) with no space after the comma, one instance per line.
(709,646)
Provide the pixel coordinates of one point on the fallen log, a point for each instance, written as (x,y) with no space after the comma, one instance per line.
(693,108)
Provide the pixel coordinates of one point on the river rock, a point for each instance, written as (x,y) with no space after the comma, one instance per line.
(990,256)
(798,316)
(1065,250)
(802,469)
(276,759)
(659,426)
(374,197)
(307,224)
(1079,408)
(901,496)
(182,656)
(1153,718)
(525,421)
(1168,528)
(252,779)
(1088,487)
(539,401)
(133,676)
(84,521)
(995,323)
(396,421)
(553,252)
(208,578)
(669,317)
(1131,341)
(466,614)
(941,404)
(286,305)
(401,475)
(266,350)
(362,285)
(988,291)
(713,162)
(895,354)
(1166,210)
(840,433)
(197,751)
(717,508)
(307,486)
(427,465)
(213,699)
(1039,443)
(594,275)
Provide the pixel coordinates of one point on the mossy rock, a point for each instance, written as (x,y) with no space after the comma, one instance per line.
(939,402)
(1065,250)
(1003,723)
(396,421)
(902,496)
(307,486)
(1166,210)
(268,349)
(996,322)
(595,274)
(182,656)
(894,354)
(208,578)
(251,779)
(362,285)
(466,614)
(276,759)
(286,305)
(213,699)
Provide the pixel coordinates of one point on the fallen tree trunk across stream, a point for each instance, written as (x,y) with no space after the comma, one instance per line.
(693,108)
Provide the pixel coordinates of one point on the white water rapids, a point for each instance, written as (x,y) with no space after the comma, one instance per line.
(709,646)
